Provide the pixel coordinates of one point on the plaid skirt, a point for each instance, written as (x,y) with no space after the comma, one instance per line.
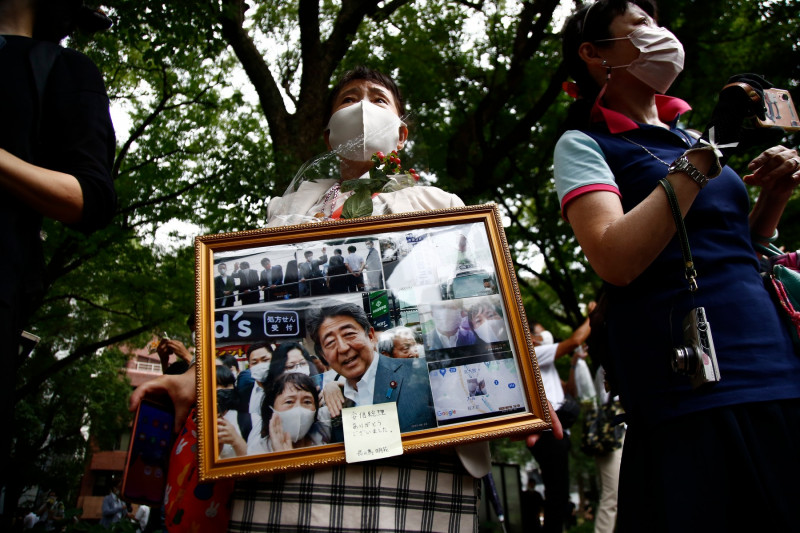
(418,492)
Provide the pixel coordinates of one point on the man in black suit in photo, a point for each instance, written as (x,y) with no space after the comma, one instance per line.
(311,283)
(223,287)
(248,284)
(271,277)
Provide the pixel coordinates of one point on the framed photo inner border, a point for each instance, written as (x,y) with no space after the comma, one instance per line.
(536,416)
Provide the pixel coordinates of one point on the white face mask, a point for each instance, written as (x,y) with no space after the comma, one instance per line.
(446,319)
(360,130)
(260,372)
(296,421)
(492,331)
(660,58)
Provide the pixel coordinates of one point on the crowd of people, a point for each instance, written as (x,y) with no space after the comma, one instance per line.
(311,276)
(637,189)
(624,135)
(287,397)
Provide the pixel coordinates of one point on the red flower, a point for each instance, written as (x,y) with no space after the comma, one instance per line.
(571,89)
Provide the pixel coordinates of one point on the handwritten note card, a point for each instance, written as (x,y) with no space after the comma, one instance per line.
(371,432)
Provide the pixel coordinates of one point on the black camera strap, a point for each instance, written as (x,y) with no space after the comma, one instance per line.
(690,272)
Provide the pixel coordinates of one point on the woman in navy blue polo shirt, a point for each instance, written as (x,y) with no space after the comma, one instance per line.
(694,457)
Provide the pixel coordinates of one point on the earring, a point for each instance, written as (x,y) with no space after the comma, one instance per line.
(608,70)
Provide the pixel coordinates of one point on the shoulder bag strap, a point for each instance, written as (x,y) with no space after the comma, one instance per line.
(690,272)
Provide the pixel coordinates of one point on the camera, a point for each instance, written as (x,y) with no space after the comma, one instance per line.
(779,110)
(696,358)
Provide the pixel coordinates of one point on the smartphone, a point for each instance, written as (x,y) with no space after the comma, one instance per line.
(779,111)
(145,477)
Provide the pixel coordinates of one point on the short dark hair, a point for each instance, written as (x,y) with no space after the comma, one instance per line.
(308,253)
(230,361)
(277,386)
(224,376)
(481,306)
(277,365)
(351,249)
(316,316)
(256,345)
(265,260)
(365,73)
(337,251)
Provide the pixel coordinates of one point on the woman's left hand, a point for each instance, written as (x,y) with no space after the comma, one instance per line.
(777,168)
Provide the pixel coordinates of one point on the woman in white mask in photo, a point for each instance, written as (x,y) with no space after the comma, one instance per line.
(486,319)
(289,415)
(627,175)
(366,117)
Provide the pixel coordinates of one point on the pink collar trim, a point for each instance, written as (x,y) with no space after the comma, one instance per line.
(668,108)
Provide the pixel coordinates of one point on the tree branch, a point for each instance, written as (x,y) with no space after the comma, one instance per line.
(36,381)
(80,298)
(170,196)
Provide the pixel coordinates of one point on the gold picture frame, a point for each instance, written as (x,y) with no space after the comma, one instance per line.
(485,385)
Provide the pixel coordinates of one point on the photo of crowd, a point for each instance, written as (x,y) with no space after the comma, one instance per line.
(289,272)
(407,317)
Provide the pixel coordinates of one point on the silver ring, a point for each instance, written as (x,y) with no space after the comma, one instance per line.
(796,163)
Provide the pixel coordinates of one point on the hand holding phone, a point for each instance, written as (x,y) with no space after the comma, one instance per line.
(145,476)
(779,110)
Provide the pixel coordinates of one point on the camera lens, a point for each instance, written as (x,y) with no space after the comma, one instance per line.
(682,358)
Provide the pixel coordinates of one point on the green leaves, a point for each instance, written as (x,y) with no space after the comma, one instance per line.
(359,204)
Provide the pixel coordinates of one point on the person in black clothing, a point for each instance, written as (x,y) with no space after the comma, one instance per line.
(337,272)
(270,277)
(248,284)
(56,153)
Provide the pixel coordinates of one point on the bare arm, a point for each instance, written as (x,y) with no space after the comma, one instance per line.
(613,241)
(181,388)
(53,194)
(577,338)
(333,397)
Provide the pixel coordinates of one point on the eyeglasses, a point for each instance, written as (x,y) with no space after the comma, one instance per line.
(298,365)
